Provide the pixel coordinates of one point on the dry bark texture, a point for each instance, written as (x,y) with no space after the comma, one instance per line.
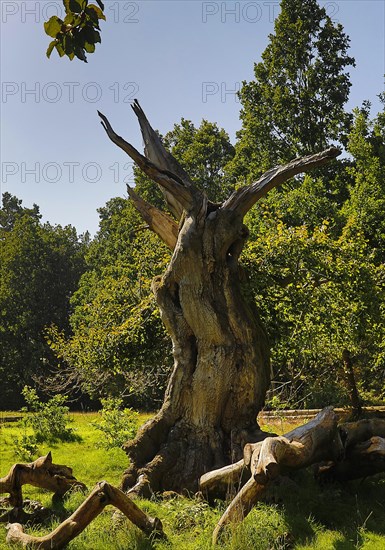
(40,473)
(221,354)
(102,495)
(348,451)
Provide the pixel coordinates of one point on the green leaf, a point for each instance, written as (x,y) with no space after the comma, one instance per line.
(72,19)
(98,11)
(60,49)
(91,35)
(81,37)
(68,44)
(79,52)
(90,48)
(53,26)
(100,4)
(88,33)
(69,19)
(93,16)
(95,13)
(50,48)
(96,36)
(76,6)
(72,6)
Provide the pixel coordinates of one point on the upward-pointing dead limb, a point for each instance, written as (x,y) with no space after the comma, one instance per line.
(244,198)
(176,187)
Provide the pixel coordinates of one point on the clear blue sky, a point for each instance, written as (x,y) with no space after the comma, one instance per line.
(179,58)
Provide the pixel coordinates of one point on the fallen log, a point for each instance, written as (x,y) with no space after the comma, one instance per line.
(223,478)
(326,424)
(267,459)
(365,459)
(101,496)
(350,451)
(40,473)
(362,430)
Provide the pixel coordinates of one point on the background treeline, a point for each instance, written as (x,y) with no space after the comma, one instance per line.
(78,315)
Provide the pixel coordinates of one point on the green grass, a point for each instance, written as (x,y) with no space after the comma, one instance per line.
(301,515)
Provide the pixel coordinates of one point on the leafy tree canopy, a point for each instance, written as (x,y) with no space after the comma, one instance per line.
(295,104)
(40,266)
(317,266)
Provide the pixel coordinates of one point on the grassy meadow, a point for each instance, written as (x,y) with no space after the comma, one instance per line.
(300,515)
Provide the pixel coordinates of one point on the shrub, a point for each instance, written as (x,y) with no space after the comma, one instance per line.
(26,448)
(50,420)
(117,424)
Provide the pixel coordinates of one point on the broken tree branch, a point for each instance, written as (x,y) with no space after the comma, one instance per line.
(362,430)
(239,507)
(365,458)
(305,445)
(156,153)
(169,181)
(154,149)
(226,476)
(101,496)
(159,222)
(40,473)
(245,197)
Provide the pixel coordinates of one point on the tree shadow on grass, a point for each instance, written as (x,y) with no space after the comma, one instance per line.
(348,509)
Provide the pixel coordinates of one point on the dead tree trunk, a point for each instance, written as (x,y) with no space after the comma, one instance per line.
(351,385)
(221,353)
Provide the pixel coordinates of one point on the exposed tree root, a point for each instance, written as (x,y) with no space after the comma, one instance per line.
(173,463)
(40,473)
(350,451)
(102,495)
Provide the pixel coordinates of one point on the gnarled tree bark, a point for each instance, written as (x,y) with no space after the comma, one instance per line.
(221,354)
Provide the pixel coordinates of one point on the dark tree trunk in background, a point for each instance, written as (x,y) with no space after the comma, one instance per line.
(351,385)
(221,354)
